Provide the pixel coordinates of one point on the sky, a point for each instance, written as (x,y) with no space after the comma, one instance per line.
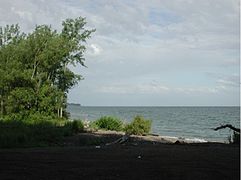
(147,53)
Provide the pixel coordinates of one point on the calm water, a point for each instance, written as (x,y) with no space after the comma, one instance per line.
(188,122)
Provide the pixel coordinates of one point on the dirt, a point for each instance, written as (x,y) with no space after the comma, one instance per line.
(132,160)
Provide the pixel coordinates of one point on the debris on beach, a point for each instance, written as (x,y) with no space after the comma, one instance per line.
(121,140)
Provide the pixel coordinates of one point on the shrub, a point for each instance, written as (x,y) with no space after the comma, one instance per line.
(93,126)
(77,126)
(43,132)
(139,126)
(21,134)
(109,123)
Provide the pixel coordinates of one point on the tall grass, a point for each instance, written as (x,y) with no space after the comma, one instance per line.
(23,133)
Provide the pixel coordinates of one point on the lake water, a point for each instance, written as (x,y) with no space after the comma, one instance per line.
(187,122)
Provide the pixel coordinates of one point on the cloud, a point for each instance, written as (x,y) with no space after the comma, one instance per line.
(133,89)
(199,24)
(171,43)
(94,50)
(30,13)
(156,89)
(199,90)
(230,81)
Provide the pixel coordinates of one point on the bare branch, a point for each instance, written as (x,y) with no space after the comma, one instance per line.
(227,126)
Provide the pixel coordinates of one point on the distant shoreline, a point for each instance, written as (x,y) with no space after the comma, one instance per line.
(73,104)
(76,104)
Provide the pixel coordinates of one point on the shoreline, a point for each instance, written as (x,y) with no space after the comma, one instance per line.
(160,138)
(105,137)
(181,121)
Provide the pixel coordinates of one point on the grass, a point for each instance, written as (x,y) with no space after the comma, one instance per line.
(19,133)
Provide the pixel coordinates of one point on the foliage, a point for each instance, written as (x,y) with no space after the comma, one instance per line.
(109,123)
(41,132)
(76,126)
(93,126)
(34,72)
(139,126)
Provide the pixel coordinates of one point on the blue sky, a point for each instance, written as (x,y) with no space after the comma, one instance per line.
(147,53)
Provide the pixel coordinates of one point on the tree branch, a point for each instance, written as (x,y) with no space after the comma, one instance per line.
(227,126)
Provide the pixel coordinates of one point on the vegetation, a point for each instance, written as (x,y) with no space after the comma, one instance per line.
(108,123)
(76,126)
(19,133)
(35,77)
(139,126)
(35,80)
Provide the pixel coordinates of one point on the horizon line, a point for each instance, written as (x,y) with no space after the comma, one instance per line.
(77,104)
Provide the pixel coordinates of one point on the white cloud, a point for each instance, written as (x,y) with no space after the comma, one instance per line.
(133,89)
(230,81)
(156,89)
(198,90)
(94,50)
(138,39)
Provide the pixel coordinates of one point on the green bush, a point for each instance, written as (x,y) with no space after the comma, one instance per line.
(93,126)
(109,123)
(77,126)
(139,126)
(25,133)
(21,134)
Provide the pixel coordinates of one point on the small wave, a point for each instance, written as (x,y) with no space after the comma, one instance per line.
(198,140)
(190,140)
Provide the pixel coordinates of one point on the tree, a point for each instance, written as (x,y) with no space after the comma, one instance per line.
(34,67)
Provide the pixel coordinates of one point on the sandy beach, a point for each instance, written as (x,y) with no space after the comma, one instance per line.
(136,159)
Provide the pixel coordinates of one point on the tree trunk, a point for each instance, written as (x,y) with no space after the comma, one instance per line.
(61,112)
(34,69)
(2,107)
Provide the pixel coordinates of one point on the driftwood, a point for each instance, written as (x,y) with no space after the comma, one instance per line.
(227,126)
(121,140)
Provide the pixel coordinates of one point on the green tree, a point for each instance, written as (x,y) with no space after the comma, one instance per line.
(34,67)
(10,36)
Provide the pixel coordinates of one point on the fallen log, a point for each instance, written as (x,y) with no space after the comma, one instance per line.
(121,140)
(227,126)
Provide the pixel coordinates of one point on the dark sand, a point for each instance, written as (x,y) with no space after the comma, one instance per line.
(129,161)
